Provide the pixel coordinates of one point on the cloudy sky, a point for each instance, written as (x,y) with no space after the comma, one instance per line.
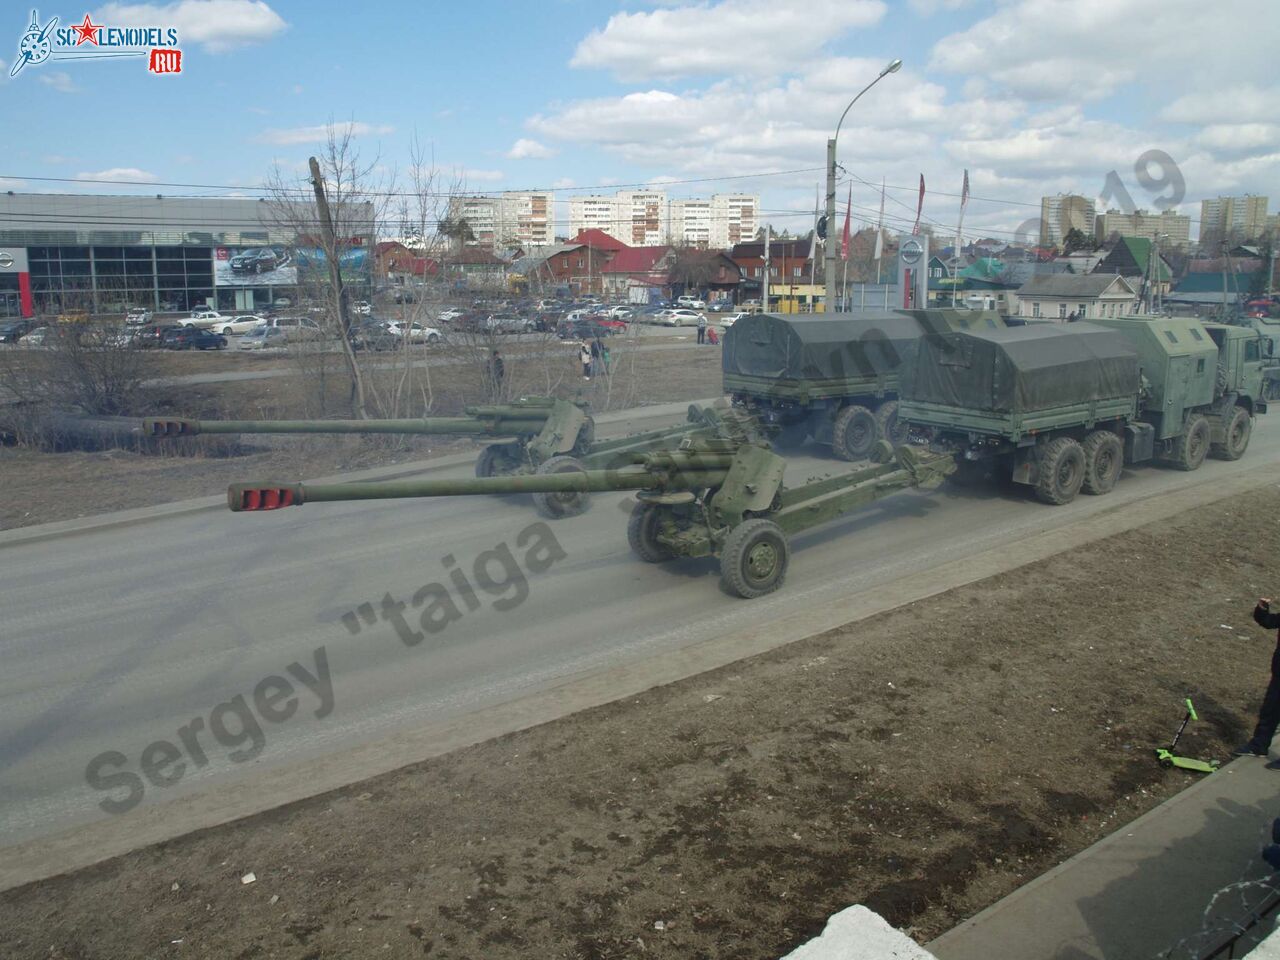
(1032,96)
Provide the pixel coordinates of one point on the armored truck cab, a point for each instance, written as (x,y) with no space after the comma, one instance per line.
(832,377)
(1063,407)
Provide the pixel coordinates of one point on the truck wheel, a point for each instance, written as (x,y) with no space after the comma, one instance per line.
(1061,471)
(553,506)
(853,433)
(586,437)
(1239,429)
(1103,461)
(754,559)
(888,426)
(642,533)
(969,473)
(1193,445)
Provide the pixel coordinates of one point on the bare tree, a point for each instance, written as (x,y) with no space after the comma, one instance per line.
(334,212)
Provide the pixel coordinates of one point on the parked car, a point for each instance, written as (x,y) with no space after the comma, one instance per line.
(362,308)
(374,336)
(255,260)
(619,313)
(189,338)
(11,330)
(509,323)
(149,336)
(281,303)
(448,316)
(404,295)
(584,330)
(413,332)
(137,316)
(204,318)
(677,317)
(241,324)
(260,338)
(38,337)
(731,319)
(691,303)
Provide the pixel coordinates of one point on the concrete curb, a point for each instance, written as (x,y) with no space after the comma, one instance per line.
(96,842)
(125,518)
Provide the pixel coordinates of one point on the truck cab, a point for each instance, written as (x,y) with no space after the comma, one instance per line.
(1243,360)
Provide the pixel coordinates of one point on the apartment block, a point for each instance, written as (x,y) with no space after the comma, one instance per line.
(691,222)
(641,217)
(593,213)
(735,217)
(511,219)
(1234,218)
(1061,214)
(1172,229)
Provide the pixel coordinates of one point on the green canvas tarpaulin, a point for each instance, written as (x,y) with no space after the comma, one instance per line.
(817,347)
(1022,369)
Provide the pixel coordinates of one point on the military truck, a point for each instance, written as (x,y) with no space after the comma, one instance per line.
(832,377)
(1269,329)
(1062,407)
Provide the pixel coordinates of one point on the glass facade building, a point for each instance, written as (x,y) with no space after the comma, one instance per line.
(103,255)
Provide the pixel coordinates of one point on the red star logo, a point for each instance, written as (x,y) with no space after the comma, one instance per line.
(88,31)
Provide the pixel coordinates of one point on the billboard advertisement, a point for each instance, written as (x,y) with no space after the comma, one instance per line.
(265,266)
(354,264)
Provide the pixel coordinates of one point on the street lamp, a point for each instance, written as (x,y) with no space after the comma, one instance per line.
(829,273)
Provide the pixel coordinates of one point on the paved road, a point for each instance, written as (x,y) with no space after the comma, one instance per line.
(116,639)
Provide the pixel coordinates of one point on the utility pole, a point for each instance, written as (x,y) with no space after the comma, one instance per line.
(764,301)
(335,279)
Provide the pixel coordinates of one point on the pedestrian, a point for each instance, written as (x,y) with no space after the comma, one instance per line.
(702,329)
(497,369)
(713,338)
(605,358)
(584,355)
(1269,713)
(595,355)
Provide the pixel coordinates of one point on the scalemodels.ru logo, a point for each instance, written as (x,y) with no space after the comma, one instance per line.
(97,41)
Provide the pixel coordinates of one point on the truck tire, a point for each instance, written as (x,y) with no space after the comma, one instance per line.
(1061,471)
(1239,428)
(853,433)
(1191,448)
(888,426)
(1103,461)
(553,506)
(754,559)
(642,530)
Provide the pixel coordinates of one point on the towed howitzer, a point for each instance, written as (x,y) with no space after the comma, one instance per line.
(538,429)
(711,496)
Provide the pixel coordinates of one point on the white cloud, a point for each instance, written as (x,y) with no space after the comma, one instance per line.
(483,175)
(524,149)
(119,175)
(1089,49)
(217,25)
(1244,103)
(1235,138)
(733,37)
(289,136)
(60,81)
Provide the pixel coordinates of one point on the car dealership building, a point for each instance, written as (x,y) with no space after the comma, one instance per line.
(103,254)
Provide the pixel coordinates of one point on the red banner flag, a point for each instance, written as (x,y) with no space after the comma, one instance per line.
(919,206)
(844,240)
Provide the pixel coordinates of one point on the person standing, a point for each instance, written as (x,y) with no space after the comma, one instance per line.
(497,368)
(595,356)
(702,329)
(584,355)
(1269,712)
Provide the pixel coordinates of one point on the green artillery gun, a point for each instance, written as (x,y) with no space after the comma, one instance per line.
(710,496)
(537,431)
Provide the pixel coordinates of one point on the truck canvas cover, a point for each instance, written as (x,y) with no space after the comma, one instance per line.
(816,347)
(1022,369)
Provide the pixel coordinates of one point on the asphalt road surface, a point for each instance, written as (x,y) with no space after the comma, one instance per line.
(122,638)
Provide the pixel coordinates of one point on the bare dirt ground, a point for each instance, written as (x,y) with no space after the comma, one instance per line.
(924,762)
(41,487)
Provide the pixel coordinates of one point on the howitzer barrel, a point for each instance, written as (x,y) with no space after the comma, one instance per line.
(459,426)
(271,496)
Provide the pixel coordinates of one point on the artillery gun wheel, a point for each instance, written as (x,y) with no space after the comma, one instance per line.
(553,506)
(888,426)
(1193,445)
(1103,461)
(1239,429)
(497,460)
(586,437)
(1061,471)
(642,533)
(853,433)
(754,559)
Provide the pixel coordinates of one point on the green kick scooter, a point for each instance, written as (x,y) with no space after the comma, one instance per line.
(1167,758)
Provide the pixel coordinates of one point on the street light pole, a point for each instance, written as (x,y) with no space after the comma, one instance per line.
(829,271)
